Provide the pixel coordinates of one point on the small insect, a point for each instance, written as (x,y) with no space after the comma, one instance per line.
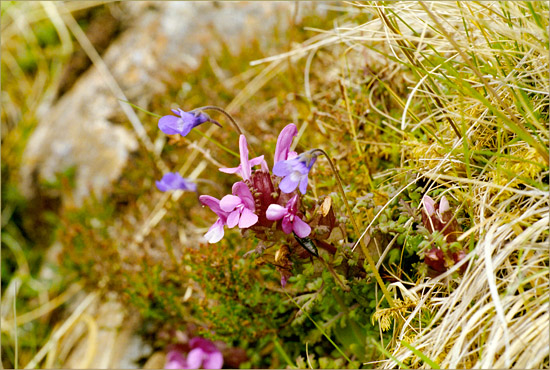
(308,245)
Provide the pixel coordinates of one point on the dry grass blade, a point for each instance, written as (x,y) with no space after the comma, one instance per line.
(57,334)
(114,87)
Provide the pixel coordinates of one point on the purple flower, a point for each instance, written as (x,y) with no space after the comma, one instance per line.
(215,233)
(429,206)
(175,360)
(245,168)
(182,122)
(203,354)
(240,207)
(291,222)
(174,181)
(294,172)
(282,149)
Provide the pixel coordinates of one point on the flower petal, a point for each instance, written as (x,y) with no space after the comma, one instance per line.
(186,124)
(233,218)
(284,141)
(287,225)
(169,125)
(229,202)
(215,233)
(303,184)
(248,218)
(429,204)
(275,212)
(243,151)
(213,361)
(206,345)
(241,190)
(288,184)
(175,360)
(213,204)
(301,228)
(174,181)
(162,186)
(443,205)
(195,358)
(291,204)
(231,170)
(260,161)
(282,168)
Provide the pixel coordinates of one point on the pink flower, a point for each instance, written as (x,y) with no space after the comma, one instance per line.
(240,207)
(203,354)
(291,222)
(429,206)
(284,141)
(245,168)
(215,233)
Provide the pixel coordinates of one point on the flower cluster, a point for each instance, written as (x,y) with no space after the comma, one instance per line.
(203,354)
(439,217)
(264,203)
(255,202)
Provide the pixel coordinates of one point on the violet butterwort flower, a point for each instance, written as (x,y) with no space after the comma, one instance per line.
(284,141)
(203,354)
(240,207)
(245,168)
(291,222)
(174,181)
(215,233)
(183,122)
(294,172)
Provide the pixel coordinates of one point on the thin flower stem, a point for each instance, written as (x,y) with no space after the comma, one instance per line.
(354,224)
(218,144)
(224,112)
(335,275)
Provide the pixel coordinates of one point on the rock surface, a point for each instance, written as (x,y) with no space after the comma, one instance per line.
(79,130)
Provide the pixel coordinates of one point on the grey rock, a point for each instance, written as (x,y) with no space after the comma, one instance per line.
(78,130)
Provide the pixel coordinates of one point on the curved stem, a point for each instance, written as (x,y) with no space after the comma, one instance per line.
(225,113)
(335,275)
(354,224)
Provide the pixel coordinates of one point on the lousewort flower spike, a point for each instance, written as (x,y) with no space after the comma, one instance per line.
(204,354)
(183,122)
(174,181)
(240,207)
(245,168)
(215,233)
(295,172)
(291,222)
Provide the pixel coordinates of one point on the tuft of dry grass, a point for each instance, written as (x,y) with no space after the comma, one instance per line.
(474,122)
